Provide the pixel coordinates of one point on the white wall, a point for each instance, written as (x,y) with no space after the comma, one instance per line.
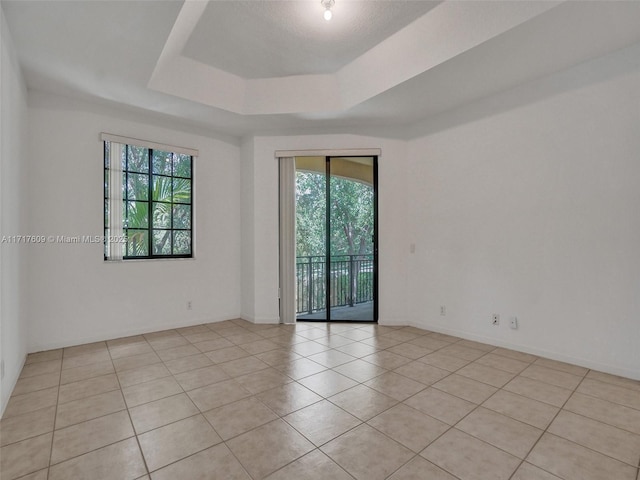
(534,211)
(260,238)
(76,297)
(13,128)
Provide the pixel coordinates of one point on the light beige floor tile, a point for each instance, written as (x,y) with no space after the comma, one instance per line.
(359,370)
(409,427)
(440,405)
(313,333)
(202,337)
(551,376)
(422,372)
(243,366)
(523,357)
(610,392)
(571,461)
(380,342)
(35,383)
(263,380)
(485,374)
(524,409)
(72,361)
(313,466)
(239,417)
(41,475)
(401,334)
(84,409)
(44,356)
(201,377)
(120,461)
(142,374)
(41,368)
(477,345)
(501,362)
(85,349)
(357,334)
(409,350)
(309,348)
(386,359)
(218,394)
(20,404)
(25,457)
(562,366)
(185,364)
(150,391)
(168,342)
(288,398)
(395,386)
(465,388)
(367,454)
(611,413)
(116,342)
(82,438)
(176,441)
(177,352)
(540,391)
(479,462)
(321,422)
(129,350)
(86,371)
(363,402)
(331,358)
(215,463)
(135,361)
(278,357)
(267,448)
(419,469)
(226,354)
(21,427)
(500,431)
(87,388)
(215,344)
(429,342)
(193,329)
(301,368)
(445,362)
(357,349)
(244,338)
(603,438)
(162,412)
(259,346)
(614,379)
(462,352)
(531,472)
(327,383)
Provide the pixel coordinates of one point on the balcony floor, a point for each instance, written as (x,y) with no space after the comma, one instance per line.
(362,312)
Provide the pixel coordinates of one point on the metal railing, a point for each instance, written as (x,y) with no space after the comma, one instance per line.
(351,281)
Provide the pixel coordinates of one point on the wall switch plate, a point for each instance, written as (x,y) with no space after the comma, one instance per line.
(189,305)
(495,319)
(513,323)
(443,310)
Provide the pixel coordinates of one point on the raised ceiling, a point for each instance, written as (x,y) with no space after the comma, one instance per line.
(247,67)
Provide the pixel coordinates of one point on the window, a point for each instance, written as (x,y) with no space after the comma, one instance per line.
(148,202)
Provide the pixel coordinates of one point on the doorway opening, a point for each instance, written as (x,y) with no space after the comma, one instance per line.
(336,268)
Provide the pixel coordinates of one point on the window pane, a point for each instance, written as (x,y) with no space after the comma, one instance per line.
(181,243)
(137,243)
(162,162)
(161,215)
(138,186)
(182,166)
(181,190)
(161,189)
(182,216)
(106,213)
(137,215)
(138,159)
(162,242)
(107,150)
(106,183)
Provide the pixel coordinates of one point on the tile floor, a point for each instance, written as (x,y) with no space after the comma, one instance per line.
(233,400)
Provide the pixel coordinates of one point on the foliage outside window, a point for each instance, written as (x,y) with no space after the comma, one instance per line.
(157,208)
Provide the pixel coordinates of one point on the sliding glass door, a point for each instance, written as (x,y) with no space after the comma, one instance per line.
(336,233)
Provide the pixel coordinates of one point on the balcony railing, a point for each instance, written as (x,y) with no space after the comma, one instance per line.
(351,280)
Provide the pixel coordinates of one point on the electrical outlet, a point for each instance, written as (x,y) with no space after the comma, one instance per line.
(495,319)
(189,305)
(443,310)
(513,323)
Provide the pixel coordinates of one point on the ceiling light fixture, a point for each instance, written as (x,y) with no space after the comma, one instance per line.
(327,4)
